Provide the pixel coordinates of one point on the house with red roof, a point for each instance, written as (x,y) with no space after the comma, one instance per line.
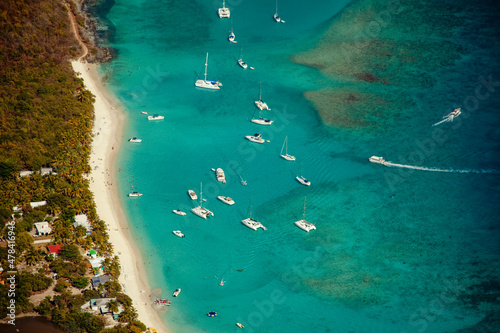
(55,249)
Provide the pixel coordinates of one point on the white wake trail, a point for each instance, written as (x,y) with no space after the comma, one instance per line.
(390,164)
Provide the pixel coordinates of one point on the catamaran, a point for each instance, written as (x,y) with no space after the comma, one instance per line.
(303,224)
(286,156)
(200,210)
(260,103)
(207,84)
(224,12)
(250,222)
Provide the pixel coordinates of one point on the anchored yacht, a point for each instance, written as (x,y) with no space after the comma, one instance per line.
(255,138)
(224,12)
(227,200)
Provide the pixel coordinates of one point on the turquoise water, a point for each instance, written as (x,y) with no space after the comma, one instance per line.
(395,250)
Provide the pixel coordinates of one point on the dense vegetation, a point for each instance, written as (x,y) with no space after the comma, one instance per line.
(46,117)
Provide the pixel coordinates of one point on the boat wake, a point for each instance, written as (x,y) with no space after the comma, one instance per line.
(450,170)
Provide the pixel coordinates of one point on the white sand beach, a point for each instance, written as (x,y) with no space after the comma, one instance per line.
(108,127)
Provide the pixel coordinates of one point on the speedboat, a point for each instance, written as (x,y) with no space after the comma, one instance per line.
(262,121)
(212,314)
(178,212)
(192,195)
(453,114)
(303,180)
(221,177)
(144,112)
(231,37)
(255,138)
(177,292)
(134,139)
(224,12)
(178,233)
(134,194)
(377,159)
(207,84)
(304,225)
(242,63)
(155,117)
(239,325)
(252,224)
(226,200)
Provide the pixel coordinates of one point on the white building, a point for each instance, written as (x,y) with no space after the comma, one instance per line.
(38,203)
(43,228)
(82,220)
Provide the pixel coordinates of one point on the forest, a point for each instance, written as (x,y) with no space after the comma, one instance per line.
(46,119)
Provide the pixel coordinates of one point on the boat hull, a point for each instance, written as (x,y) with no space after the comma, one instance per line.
(207,84)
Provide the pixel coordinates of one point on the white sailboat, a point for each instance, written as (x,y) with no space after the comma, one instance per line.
(260,103)
(224,12)
(276,16)
(261,120)
(232,37)
(207,84)
(301,179)
(286,156)
(250,222)
(241,62)
(303,224)
(200,210)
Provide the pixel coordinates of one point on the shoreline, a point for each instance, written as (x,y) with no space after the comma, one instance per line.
(109,123)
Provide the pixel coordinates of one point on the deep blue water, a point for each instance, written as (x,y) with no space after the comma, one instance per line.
(395,250)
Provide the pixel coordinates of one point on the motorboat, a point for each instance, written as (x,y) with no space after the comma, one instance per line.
(178,233)
(207,84)
(453,114)
(156,117)
(226,200)
(260,103)
(221,177)
(224,12)
(134,194)
(239,325)
(144,112)
(200,210)
(178,212)
(303,180)
(135,140)
(176,292)
(377,159)
(303,224)
(221,282)
(212,314)
(192,195)
(286,156)
(255,138)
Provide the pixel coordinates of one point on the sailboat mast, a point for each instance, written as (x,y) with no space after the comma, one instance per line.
(260,91)
(304,214)
(206,65)
(201,194)
(276,7)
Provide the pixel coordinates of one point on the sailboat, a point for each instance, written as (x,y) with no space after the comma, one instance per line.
(224,12)
(285,147)
(200,210)
(231,37)
(276,16)
(261,121)
(207,84)
(301,179)
(303,224)
(250,222)
(260,103)
(241,62)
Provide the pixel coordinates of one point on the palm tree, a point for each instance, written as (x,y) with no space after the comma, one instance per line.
(128,315)
(113,306)
(32,256)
